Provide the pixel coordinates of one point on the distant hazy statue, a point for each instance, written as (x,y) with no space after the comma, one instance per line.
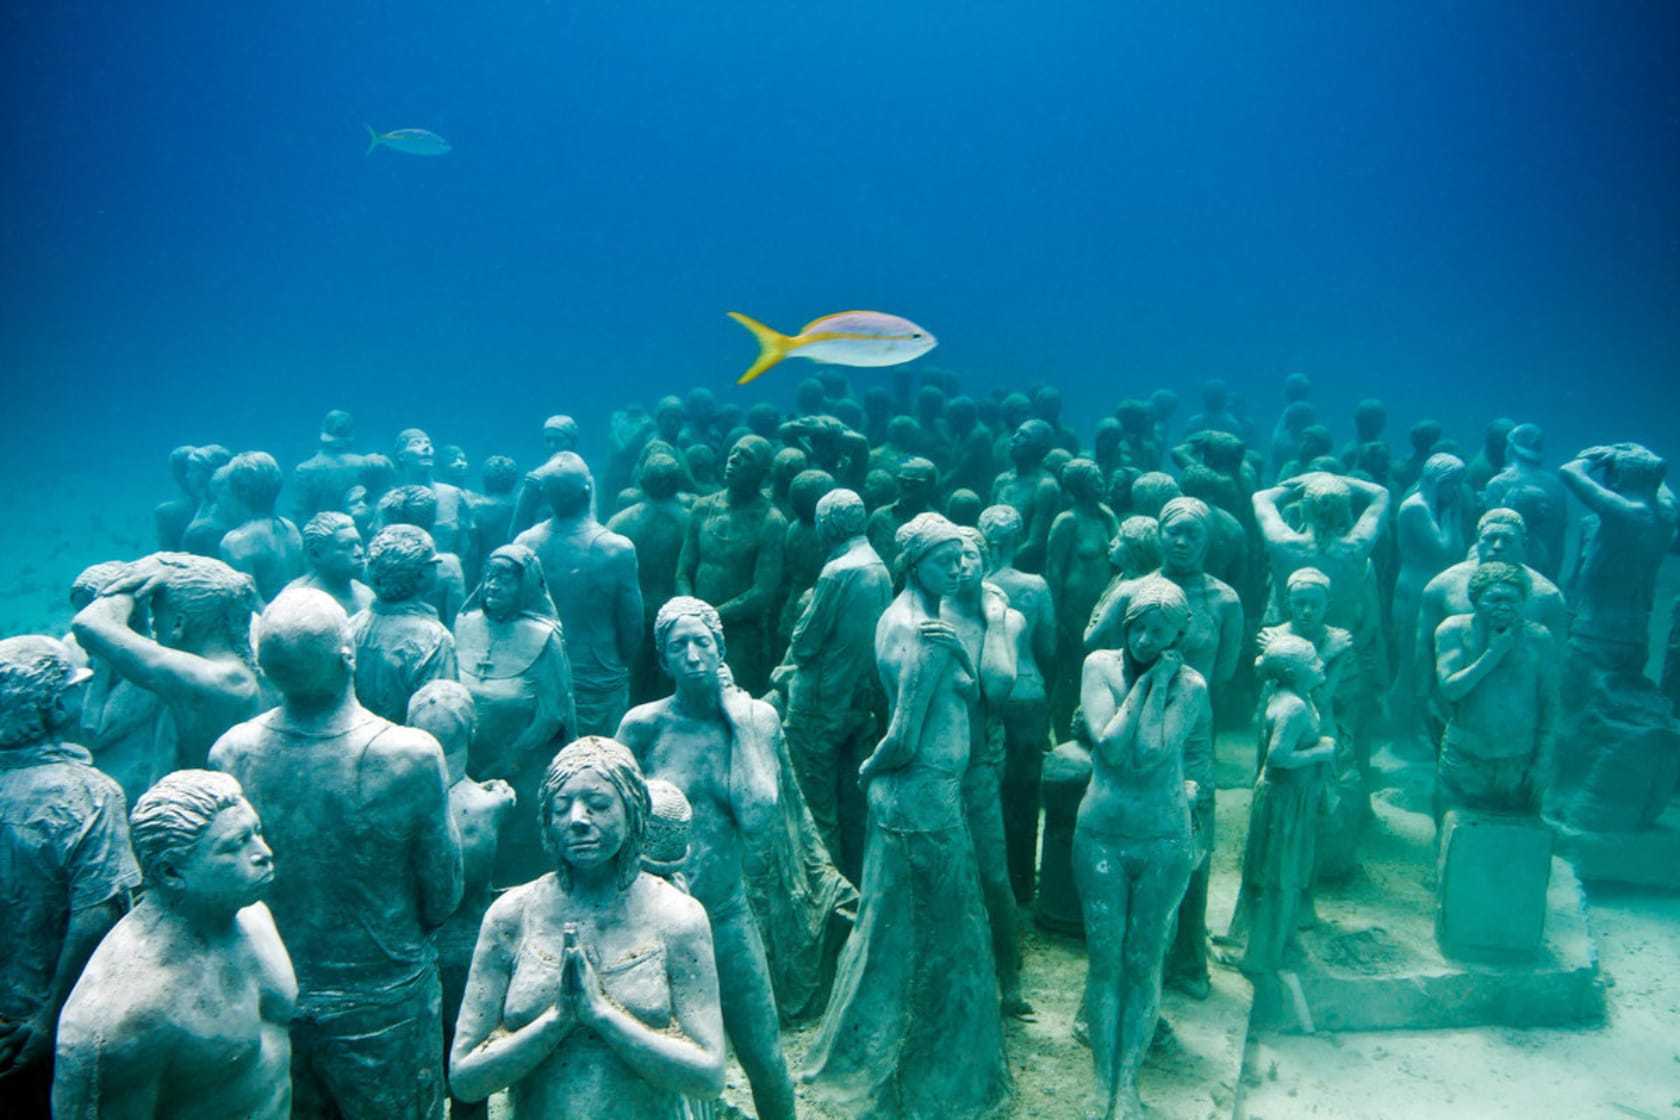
(1536,493)
(1278,855)
(184,1011)
(592,574)
(207,477)
(492,509)
(1216,414)
(1370,421)
(804,552)
(200,664)
(1490,460)
(914,1028)
(367,865)
(784,465)
(414,458)
(833,699)
(1424,436)
(1286,437)
(1024,718)
(173,516)
(417,506)
(593,990)
(918,487)
(971,448)
(333,549)
(1430,534)
(1077,569)
(513,661)
(690,740)
(732,556)
(65,852)
(1032,490)
(399,642)
(481,812)
(1140,442)
(320,482)
(1152,490)
(1149,719)
(1497,674)
(262,545)
(655,526)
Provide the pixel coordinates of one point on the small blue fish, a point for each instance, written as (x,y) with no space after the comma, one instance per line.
(411,141)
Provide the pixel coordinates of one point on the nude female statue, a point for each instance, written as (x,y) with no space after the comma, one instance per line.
(1430,532)
(914,1029)
(1077,569)
(592,990)
(1149,721)
(185,1009)
(513,661)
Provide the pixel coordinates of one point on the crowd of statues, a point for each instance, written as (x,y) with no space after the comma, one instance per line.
(453,791)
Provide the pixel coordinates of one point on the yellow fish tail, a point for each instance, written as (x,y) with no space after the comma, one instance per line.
(773,346)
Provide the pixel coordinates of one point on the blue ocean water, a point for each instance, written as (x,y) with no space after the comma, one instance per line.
(1468,209)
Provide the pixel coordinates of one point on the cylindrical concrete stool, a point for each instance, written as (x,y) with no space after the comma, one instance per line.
(1067,771)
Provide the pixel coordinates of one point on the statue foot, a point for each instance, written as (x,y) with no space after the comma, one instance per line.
(1196,987)
(1017,1008)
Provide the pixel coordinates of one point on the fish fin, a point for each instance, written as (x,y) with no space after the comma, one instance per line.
(773,346)
(374,140)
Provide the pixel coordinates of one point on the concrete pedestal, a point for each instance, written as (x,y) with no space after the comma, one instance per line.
(1067,771)
(1650,858)
(1491,885)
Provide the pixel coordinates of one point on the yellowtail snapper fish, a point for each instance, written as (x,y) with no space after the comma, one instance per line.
(410,141)
(847,338)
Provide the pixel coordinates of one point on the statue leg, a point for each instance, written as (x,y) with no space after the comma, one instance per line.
(1187,963)
(1026,728)
(985,825)
(375,1059)
(1105,899)
(749,1009)
(1157,873)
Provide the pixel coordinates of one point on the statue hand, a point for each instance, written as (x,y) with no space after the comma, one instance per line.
(138,581)
(1166,667)
(589,1000)
(942,634)
(1502,643)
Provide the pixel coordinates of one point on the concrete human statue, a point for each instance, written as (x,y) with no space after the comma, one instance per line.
(1497,674)
(1423,437)
(481,811)
(1538,494)
(1286,436)
(320,481)
(689,740)
(414,457)
(361,505)
(1229,558)
(172,517)
(1430,530)
(904,441)
(592,575)
(1370,421)
(804,553)
(367,866)
(417,506)
(184,1010)
(1032,490)
(914,1028)
(454,467)
(1278,855)
(1163,406)
(785,464)
(918,488)
(833,700)
(398,640)
(264,546)
(1077,569)
(1151,490)
(655,527)
(1150,725)
(65,847)
(514,663)
(1490,460)
(732,556)
(1047,406)
(593,990)
(1023,719)
(971,447)
(332,548)
(964,507)
(492,507)
(978,611)
(199,664)
(207,479)
(832,445)
(1216,414)
(1140,445)
(935,436)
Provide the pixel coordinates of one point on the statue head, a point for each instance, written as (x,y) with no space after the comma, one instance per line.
(1136,548)
(806,490)
(963,507)
(879,489)
(1152,490)
(961,416)
(1083,481)
(1526,444)
(660,477)
(1016,409)
(848,412)
(903,433)
(1002,527)
(500,475)
(918,480)
(409,505)
(401,563)
(840,516)
(593,808)
(1501,534)
(1297,387)
(305,648)
(559,433)
(930,405)
(200,845)
(1298,416)
(254,480)
(413,452)
(1425,434)
(1162,404)
(567,485)
(180,467)
(668,418)
(688,640)
(1442,475)
(700,405)
(333,546)
(201,464)
(1156,615)
(1185,527)
(764,419)
(976,561)
(1216,396)
(748,464)
(1370,417)
(1326,504)
(200,599)
(377,473)
(1105,438)
(338,430)
(1634,469)
(1134,418)
(41,689)
(91,580)
(453,464)
(834,383)
(1315,440)
(445,711)
(513,584)
(1289,661)
(784,464)
(809,396)
(1498,592)
(989,411)
(930,554)
(1030,443)
(1308,593)
(1047,404)
(1212,487)
(670,829)
(702,462)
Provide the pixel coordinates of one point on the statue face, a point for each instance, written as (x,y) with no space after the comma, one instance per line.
(457,464)
(940,571)
(1150,635)
(1309,674)
(1184,543)
(1500,541)
(231,866)
(416,452)
(743,467)
(501,588)
(1500,606)
(340,557)
(1307,607)
(586,821)
(972,567)
(691,651)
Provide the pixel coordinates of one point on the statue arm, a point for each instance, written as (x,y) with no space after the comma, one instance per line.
(1105,616)
(1230,639)
(754,602)
(436,850)
(628,619)
(23,1042)
(1455,671)
(1546,706)
(1113,724)
(1056,549)
(816,622)
(998,663)
(1273,528)
(1287,751)
(102,628)
(919,676)
(1368,529)
(1593,494)
(485,1058)
(688,557)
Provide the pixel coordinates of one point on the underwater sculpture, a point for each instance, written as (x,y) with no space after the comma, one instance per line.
(417,506)
(1429,530)
(593,990)
(332,548)
(414,457)
(184,1011)
(319,482)
(65,847)
(216,512)
(732,556)
(918,487)
(399,642)
(804,553)
(914,1027)
(1077,569)
(591,573)
(1151,728)
(655,527)
(1536,493)
(1032,490)
(693,740)
(367,864)
(833,699)
(1023,719)
(513,661)
(171,518)
(199,665)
